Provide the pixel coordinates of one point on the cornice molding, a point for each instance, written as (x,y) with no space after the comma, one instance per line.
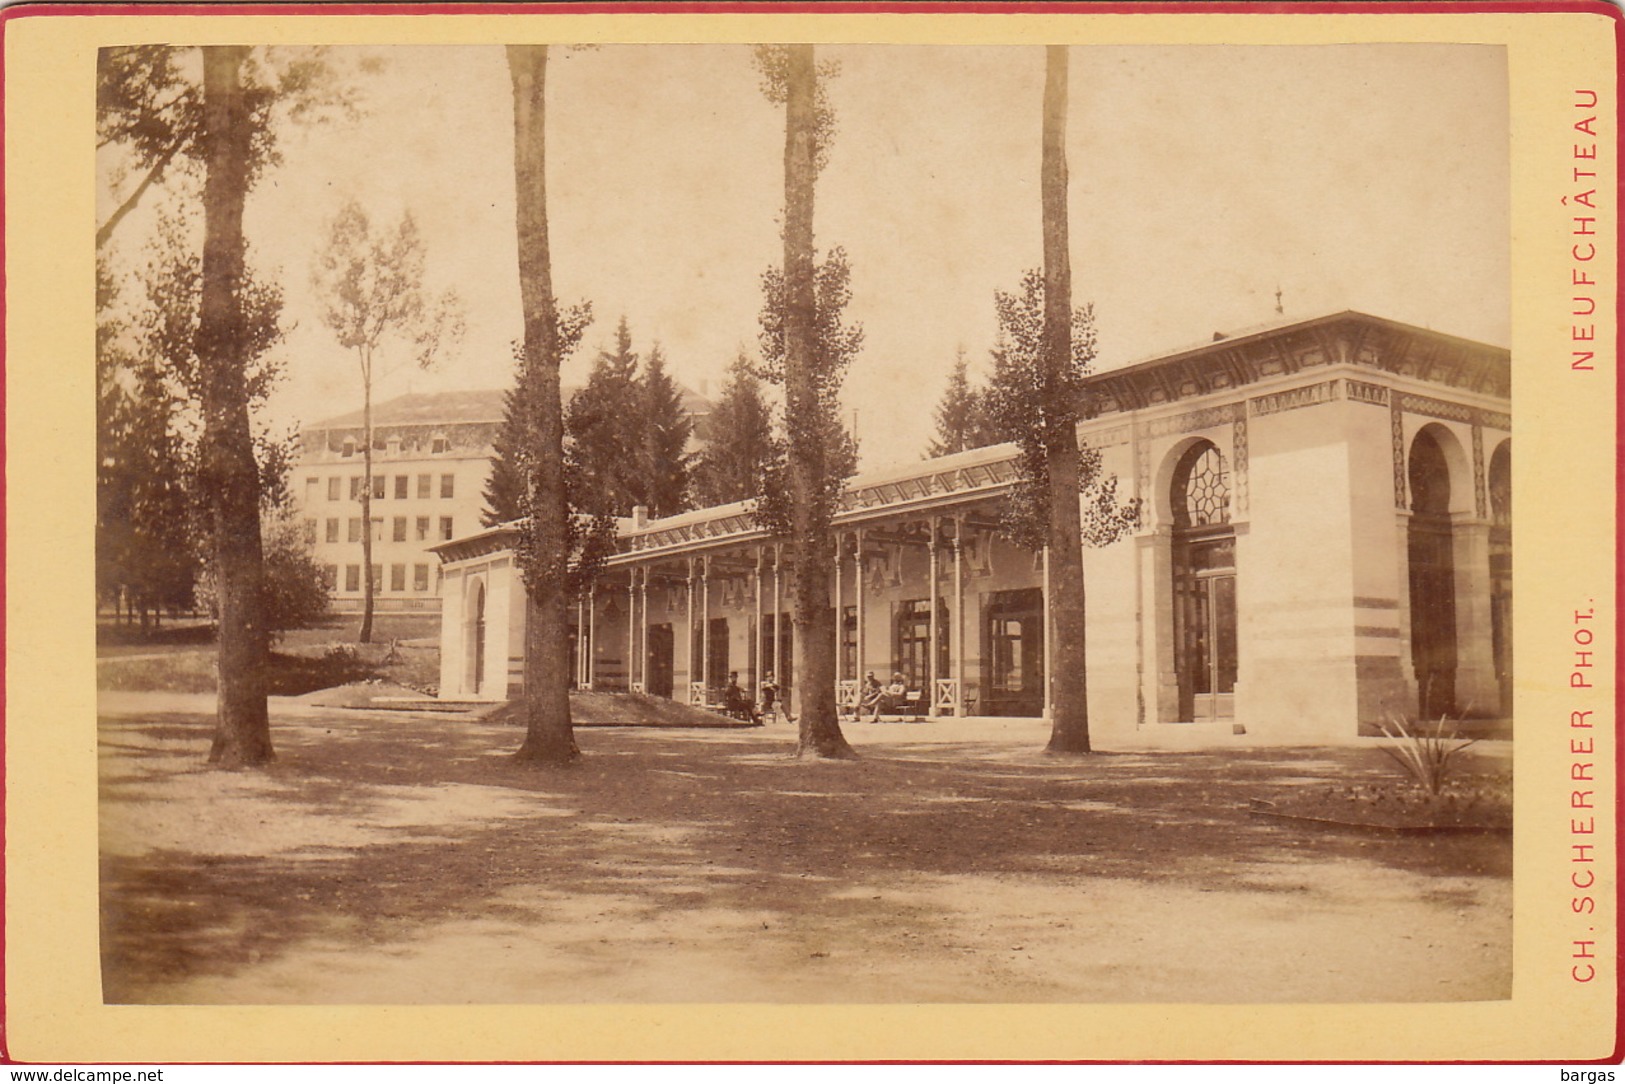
(1345,339)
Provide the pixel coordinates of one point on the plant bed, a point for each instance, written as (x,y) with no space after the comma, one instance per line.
(1467,804)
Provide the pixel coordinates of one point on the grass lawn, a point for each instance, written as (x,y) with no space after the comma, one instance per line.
(399,857)
(180,657)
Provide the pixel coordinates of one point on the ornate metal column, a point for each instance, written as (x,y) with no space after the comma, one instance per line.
(1049,638)
(778,621)
(592,633)
(705,624)
(932,677)
(756,631)
(859,661)
(696,690)
(642,685)
(957,647)
(632,630)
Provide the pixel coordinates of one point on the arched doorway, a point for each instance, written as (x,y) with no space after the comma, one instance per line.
(476,641)
(1430,547)
(1204,571)
(1501,571)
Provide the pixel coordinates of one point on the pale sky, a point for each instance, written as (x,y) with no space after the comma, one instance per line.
(1203,178)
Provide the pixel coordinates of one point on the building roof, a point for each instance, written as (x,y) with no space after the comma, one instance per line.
(461,408)
(1226,363)
(426,408)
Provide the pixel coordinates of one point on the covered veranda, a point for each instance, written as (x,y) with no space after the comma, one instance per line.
(926,589)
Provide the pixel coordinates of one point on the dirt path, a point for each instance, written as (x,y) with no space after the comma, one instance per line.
(400,858)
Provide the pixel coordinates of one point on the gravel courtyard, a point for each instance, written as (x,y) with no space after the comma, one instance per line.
(401,857)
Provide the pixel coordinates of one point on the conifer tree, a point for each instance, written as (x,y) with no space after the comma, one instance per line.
(667,427)
(740,448)
(603,421)
(958,415)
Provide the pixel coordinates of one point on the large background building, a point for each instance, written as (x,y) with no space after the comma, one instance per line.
(431,457)
(430,461)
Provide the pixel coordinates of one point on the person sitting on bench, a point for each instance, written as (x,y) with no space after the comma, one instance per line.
(736,703)
(770,695)
(869,697)
(893,697)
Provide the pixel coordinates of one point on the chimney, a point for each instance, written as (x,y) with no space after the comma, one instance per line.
(640,516)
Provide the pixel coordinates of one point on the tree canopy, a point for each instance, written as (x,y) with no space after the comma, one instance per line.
(739,447)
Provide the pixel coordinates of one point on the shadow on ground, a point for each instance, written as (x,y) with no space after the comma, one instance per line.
(373,825)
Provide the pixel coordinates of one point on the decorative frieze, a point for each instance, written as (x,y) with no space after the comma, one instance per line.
(1396,422)
(1455,412)
(1294,398)
(1479,501)
(1194,421)
(1359,391)
(1238,465)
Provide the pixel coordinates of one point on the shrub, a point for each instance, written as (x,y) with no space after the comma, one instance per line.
(295,591)
(1423,751)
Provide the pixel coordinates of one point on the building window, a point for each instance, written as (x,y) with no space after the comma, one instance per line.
(420,577)
(335,488)
(378,487)
(377,577)
(394,445)
(355,488)
(333,529)
(377,528)
(1202,493)
(913,658)
(422,532)
(399,533)
(354,533)
(1204,585)
(440,444)
(400,487)
(310,532)
(448,485)
(397,577)
(849,644)
(311,490)
(424,483)
(330,577)
(349,448)
(378,443)
(445,528)
(352,577)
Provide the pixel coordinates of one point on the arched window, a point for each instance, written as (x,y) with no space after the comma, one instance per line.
(1201,489)
(1204,571)
(1430,546)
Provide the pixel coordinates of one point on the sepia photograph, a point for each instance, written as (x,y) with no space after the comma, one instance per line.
(623,523)
(1073,444)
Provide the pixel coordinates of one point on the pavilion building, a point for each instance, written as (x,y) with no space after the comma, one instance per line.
(1324,542)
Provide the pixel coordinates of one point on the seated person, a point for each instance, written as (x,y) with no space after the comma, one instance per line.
(894,696)
(770,693)
(736,703)
(869,697)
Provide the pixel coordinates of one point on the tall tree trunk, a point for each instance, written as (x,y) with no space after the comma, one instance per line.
(811,550)
(365,636)
(229,475)
(1069,687)
(548,734)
